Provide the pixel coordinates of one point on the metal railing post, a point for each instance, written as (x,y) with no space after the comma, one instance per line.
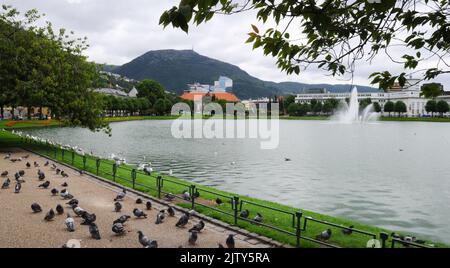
(114,170)
(84,162)
(159,185)
(235,208)
(298,232)
(97,163)
(192,196)
(384,237)
(133,177)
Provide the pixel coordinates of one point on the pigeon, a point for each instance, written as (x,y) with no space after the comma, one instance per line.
(50,215)
(219,201)
(53,166)
(220,245)
(171,211)
(28,165)
(186,196)
(348,231)
(72,202)
(4,173)
(78,210)
(169,197)
(44,185)
(139,213)
(58,171)
(146,242)
(17,188)
(21,173)
(36,208)
(118,228)
(8,156)
(138,201)
(148,205)
(36,165)
(6,183)
(122,219)
(65,194)
(93,230)
(41,175)
(183,220)
(198,227)
(59,209)
(193,237)
(81,172)
(54,191)
(230,241)
(19,178)
(258,218)
(46,164)
(64,174)
(244,214)
(117,206)
(121,195)
(70,223)
(160,217)
(325,235)
(64,184)
(26,156)
(88,218)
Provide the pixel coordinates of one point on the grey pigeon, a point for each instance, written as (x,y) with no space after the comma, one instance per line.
(169,197)
(230,241)
(122,219)
(54,191)
(88,218)
(93,230)
(6,183)
(44,185)
(183,220)
(17,188)
(36,165)
(59,209)
(139,213)
(70,223)
(118,228)
(36,208)
(4,173)
(245,213)
(152,244)
(219,201)
(50,215)
(258,218)
(8,156)
(117,207)
(121,195)
(148,205)
(325,235)
(348,231)
(146,242)
(28,165)
(46,164)
(160,217)
(198,227)
(138,201)
(72,202)
(171,211)
(64,174)
(78,210)
(64,184)
(186,196)
(192,237)
(41,175)
(21,173)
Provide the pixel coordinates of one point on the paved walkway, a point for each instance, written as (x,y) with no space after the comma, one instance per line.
(19,227)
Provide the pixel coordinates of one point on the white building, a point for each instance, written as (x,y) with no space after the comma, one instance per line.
(409,94)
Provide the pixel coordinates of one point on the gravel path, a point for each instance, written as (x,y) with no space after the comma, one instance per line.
(20,228)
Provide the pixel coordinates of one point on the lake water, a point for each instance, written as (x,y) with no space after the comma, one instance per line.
(389,174)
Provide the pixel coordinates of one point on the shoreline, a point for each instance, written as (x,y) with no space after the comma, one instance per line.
(277,221)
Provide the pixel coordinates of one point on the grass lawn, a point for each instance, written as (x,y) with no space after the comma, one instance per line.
(10,124)
(276,215)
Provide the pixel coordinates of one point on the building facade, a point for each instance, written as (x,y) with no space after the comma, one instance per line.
(409,94)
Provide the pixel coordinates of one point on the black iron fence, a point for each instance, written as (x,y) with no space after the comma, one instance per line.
(156,184)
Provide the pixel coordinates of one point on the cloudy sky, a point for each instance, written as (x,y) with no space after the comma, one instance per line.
(119,31)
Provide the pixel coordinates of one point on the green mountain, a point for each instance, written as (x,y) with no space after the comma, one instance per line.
(174,69)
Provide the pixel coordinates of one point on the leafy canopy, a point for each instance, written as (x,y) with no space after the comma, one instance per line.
(334,34)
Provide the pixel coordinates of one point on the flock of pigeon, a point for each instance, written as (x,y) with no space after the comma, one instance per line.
(88,218)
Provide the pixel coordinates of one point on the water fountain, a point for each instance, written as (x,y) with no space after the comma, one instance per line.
(349,113)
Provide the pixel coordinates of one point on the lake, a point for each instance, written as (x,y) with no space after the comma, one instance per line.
(389,174)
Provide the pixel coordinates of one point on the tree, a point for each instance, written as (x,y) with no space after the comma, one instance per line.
(389,107)
(160,107)
(293,109)
(431,90)
(431,107)
(442,107)
(364,103)
(334,34)
(151,90)
(400,107)
(41,66)
(376,107)
(317,108)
